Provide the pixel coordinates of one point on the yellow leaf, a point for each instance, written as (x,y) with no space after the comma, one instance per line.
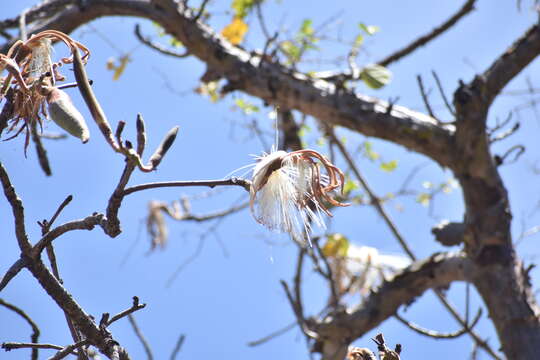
(336,245)
(235,31)
(118,66)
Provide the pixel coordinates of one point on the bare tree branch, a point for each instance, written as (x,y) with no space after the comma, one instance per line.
(157,46)
(436,334)
(424,39)
(66,351)
(436,271)
(141,337)
(210,183)
(273,82)
(511,62)
(35,329)
(178,346)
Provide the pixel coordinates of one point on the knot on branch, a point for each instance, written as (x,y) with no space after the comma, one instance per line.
(449,233)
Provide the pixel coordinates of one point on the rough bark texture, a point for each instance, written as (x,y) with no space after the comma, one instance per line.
(489,262)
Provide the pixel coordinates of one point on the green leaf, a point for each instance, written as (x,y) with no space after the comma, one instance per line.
(369,29)
(175,42)
(246,107)
(304,129)
(369,152)
(349,186)
(375,76)
(358,41)
(389,166)
(306,29)
(242,7)
(291,50)
(321,141)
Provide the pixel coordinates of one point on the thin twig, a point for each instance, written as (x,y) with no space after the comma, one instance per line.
(69,350)
(35,329)
(425,97)
(101,120)
(16,345)
(134,307)
(40,150)
(297,311)
(178,346)
(201,11)
(329,274)
(273,335)
(424,39)
(12,272)
(436,334)
(141,337)
(210,183)
(46,225)
(158,47)
(443,94)
(262,22)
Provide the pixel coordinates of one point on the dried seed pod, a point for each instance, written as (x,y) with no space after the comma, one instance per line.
(65,114)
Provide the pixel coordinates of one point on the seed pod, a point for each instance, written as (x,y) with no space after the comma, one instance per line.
(65,114)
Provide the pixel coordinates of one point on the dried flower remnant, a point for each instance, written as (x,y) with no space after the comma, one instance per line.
(288,191)
(31,78)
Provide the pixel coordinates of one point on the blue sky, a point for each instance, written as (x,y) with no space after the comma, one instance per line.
(230,293)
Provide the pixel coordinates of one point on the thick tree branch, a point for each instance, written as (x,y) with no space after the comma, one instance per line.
(438,270)
(511,62)
(273,82)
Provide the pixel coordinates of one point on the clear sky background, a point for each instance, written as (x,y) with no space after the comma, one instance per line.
(229,293)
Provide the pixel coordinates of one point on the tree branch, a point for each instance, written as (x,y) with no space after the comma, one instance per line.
(436,271)
(210,183)
(424,39)
(273,82)
(35,329)
(511,62)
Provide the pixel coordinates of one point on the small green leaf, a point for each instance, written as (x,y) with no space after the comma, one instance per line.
(242,7)
(375,76)
(291,50)
(306,29)
(349,186)
(359,40)
(175,42)
(369,152)
(304,129)
(369,29)
(246,107)
(389,166)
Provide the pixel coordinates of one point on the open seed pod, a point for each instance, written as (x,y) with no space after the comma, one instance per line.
(65,114)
